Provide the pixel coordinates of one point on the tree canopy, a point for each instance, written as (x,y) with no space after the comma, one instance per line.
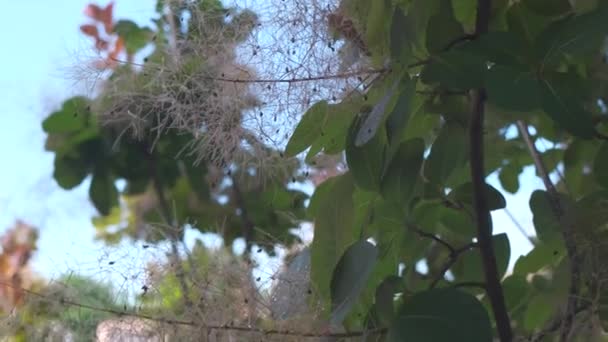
(442,94)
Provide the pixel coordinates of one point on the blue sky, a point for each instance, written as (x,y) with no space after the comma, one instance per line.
(42,45)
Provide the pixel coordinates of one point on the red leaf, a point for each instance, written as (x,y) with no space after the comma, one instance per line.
(90,30)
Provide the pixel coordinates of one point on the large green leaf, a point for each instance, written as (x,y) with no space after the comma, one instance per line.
(69,171)
(600,165)
(73,116)
(544,254)
(549,7)
(308,130)
(464,195)
(443,28)
(366,162)
(333,210)
(546,223)
(103,192)
(385,297)
(456,68)
(512,88)
(565,107)
(524,23)
(403,172)
(401,36)
(349,278)
(374,119)
(465,11)
(448,153)
(577,36)
(397,120)
(470,266)
(509,177)
(501,47)
(437,316)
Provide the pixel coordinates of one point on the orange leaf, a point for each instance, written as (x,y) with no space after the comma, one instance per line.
(103,15)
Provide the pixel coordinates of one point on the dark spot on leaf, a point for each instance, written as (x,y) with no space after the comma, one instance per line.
(555,252)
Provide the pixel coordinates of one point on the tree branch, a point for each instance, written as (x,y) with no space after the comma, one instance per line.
(224,327)
(568,230)
(450,262)
(434,238)
(480,205)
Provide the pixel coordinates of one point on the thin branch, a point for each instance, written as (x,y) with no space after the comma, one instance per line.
(434,238)
(519,227)
(225,327)
(482,213)
(568,230)
(555,325)
(450,262)
(291,80)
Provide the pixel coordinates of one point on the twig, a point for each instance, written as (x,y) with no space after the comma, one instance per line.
(482,213)
(568,230)
(519,227)
(450,262)
(434,238)
(224,327)
(556,324)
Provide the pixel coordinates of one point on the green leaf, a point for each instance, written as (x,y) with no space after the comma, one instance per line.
(545,222)
(373,120)
(472,263)
(377,28)
(577,36)
(600,165)
(308,130)
(397,120)
(448,153)
(443,28)
(512,88)
(517,293)
(437,315)
(401,36)
(69,171)
(544,254)
(524,23)
(385,297)
(509,177)
(403,172)
(103,192)
(456,68)
(549,7)
(501,47)
(540,309)
(73,116)
(366,163)
(465,12)
(349,278)
(135,37)
(458,222)
(464,194)
(333,210)
(565,108)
